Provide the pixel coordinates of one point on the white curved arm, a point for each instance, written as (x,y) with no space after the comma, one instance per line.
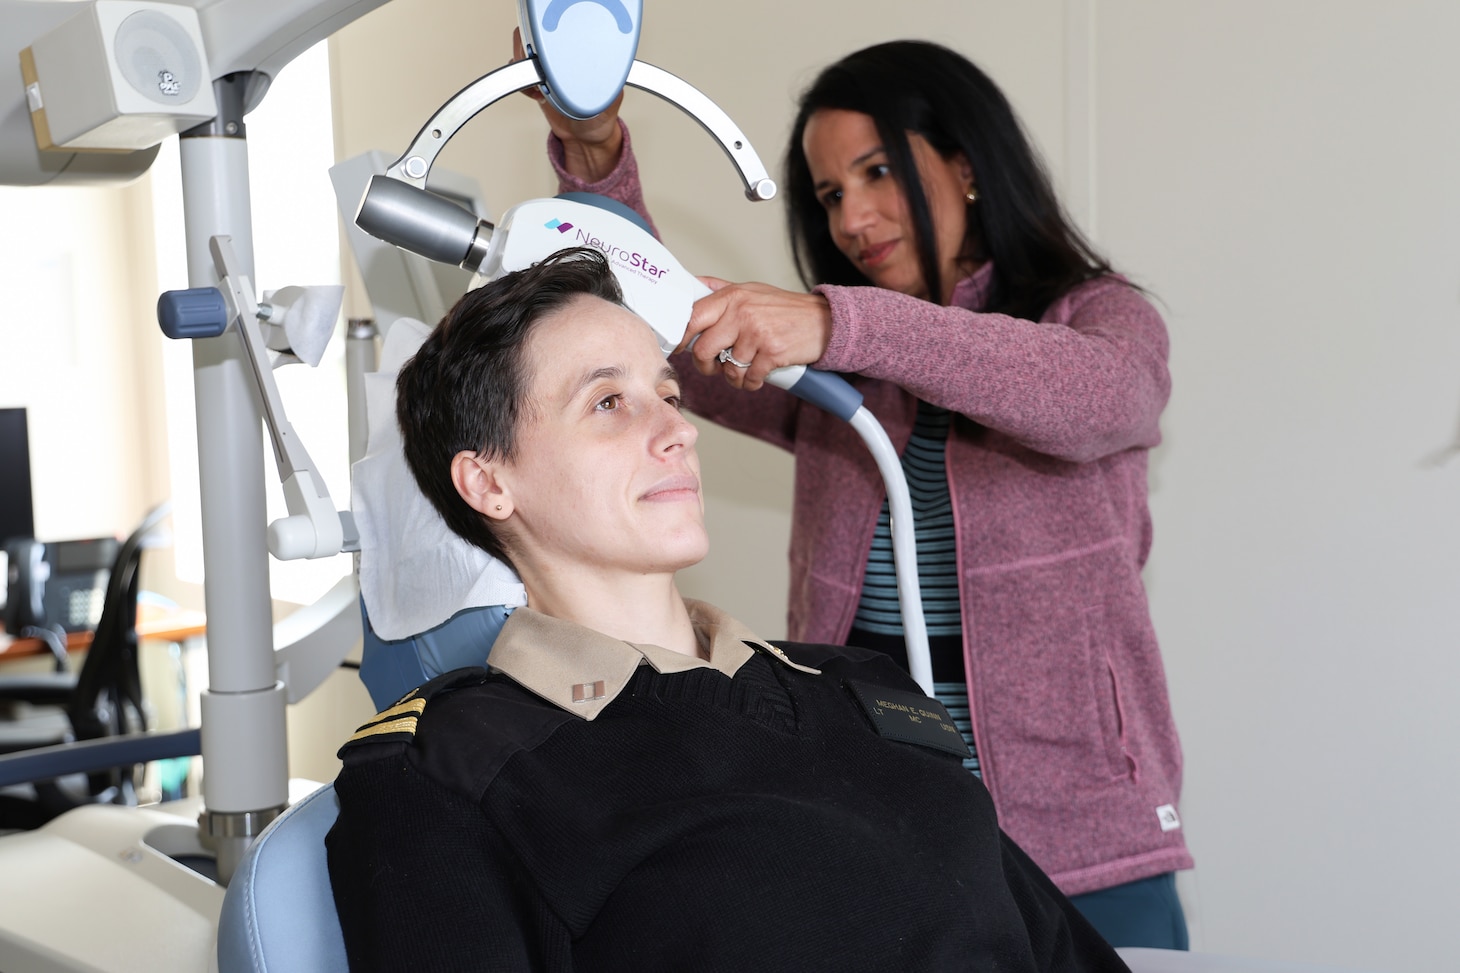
(904,546)
(415,163)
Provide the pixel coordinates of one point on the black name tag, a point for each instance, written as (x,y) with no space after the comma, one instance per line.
(909,717)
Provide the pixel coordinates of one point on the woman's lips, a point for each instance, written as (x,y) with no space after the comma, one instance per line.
(877,253)
(680,487)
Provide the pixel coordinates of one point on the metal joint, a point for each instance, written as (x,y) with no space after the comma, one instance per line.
(231,93)
(237,824)
(480,244)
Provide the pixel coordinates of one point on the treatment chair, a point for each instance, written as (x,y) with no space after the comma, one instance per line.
(279,912)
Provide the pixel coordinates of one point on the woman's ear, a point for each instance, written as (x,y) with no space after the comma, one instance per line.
(481,485)
(965,169)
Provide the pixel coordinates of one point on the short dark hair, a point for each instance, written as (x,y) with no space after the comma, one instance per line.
(466,388)
(922,87)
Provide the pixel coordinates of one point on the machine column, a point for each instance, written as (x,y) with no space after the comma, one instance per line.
(245,757)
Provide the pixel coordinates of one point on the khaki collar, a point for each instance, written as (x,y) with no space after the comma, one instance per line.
(582,671)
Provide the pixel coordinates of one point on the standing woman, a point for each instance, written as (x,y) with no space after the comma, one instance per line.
(1023,382)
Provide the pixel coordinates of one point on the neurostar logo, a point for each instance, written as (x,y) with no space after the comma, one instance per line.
(640,264)
(558,225)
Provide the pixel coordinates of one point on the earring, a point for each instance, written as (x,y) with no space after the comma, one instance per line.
(971,195)
(499,506)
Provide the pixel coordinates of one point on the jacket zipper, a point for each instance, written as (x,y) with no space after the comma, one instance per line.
(963,613)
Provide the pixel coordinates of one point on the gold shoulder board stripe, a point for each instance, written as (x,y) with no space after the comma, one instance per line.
(405,724)
(400,718)
(415,706)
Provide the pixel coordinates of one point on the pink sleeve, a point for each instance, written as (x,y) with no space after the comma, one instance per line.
(621,184)
(1089,381)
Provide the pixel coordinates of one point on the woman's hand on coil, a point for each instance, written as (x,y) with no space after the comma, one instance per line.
(591,146)
(761,325)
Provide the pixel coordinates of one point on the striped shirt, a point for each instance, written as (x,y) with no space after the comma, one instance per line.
(878,623)
(924,464)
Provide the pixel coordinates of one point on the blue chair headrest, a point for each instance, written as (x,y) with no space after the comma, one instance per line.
(392,669)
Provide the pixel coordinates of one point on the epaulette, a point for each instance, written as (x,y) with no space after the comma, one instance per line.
(397,722)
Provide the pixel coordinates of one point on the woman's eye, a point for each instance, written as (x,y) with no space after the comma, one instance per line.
(829,200)
(675,401)
(609,402)
(878,171)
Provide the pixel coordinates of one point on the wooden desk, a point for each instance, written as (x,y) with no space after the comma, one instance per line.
(152,623)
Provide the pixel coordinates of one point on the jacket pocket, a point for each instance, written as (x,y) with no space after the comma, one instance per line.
(1043,679)
(1105,690)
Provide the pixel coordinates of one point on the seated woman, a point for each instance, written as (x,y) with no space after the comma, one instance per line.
(638,782)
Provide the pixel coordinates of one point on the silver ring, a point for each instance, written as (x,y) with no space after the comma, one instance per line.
(728,355)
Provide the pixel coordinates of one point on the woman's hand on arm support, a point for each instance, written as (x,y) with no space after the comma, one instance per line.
(591,146)
(764,325)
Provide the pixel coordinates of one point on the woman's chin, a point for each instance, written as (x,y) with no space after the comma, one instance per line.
(687,551)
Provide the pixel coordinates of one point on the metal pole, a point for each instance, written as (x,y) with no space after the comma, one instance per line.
(245,757)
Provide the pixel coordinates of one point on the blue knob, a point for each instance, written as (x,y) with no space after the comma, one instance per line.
(198,312)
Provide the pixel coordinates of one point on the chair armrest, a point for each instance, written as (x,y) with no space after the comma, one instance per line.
(92,756)
(39,689)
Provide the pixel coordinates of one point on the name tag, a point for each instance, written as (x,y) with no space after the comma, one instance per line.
(909,717)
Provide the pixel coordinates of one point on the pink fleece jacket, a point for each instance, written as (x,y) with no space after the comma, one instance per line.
(1047,471)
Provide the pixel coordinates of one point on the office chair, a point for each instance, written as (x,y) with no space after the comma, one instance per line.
(103,699)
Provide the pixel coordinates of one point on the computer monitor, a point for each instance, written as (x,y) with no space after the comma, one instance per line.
(17,515)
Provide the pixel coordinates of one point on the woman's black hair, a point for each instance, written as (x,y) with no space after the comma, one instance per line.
(466,388)
(917,86)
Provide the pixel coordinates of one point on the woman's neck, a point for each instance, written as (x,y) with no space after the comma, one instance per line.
(643,609)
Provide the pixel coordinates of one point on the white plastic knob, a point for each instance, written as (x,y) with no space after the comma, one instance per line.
(291,538)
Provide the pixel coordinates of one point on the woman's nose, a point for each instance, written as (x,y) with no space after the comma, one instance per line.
(855,214)
(677,431)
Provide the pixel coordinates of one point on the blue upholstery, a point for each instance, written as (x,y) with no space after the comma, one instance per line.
(389,670)
(279,911)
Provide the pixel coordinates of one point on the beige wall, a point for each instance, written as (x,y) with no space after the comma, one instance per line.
(1283,176)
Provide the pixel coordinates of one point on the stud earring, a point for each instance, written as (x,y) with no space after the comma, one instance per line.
(971,195)
(499,506)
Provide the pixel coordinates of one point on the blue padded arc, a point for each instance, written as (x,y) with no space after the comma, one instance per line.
(391,669)
(279,910)
(610,205)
